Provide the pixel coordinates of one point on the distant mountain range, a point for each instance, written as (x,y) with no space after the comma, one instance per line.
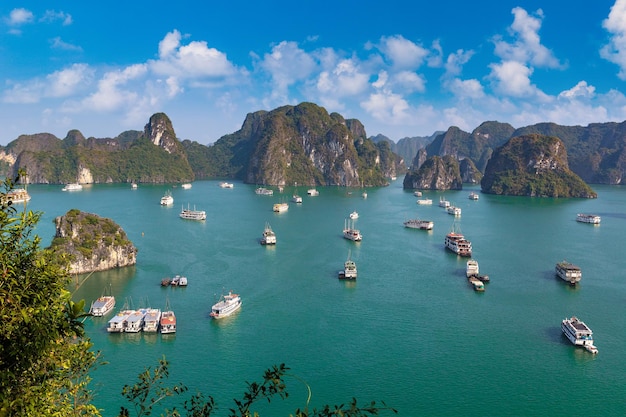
(301,144)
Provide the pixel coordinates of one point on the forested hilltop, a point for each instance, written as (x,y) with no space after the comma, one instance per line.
(301,144)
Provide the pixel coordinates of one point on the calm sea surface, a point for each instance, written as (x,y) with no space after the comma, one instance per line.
(410,331)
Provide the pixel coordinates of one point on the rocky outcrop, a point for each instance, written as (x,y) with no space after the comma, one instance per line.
(535,166)
(91,243)
(436,173)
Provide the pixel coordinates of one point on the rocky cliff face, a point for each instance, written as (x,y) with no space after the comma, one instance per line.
(91,243)
(436,173)
(535,166)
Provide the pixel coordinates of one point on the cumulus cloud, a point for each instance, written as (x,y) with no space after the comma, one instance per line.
(387,106)
(62,83)
(53,16)
(58,43)
(111,94)
(403,53)
(462,89)
(20,16)
(526,47)
(345,79)
(580,90)
(615,50)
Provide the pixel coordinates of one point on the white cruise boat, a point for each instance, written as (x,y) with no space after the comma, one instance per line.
(425,202)
(133,186)
(269,237)
(443,202)
(296,199)
(312,192)
(417,193)
(118,323)
(457,243)
(354,215)
(152,320)
(419,224)
(227,185)
(349,232)
(186,186)
(188,214)
(16,195)
(349,269)
(72,187)
(473,196)
(568,272)
(578,333)
(455,211)
(471,269)
(134,322)
(226,305)
(280,207)
(167,199)
(588,218)
(102,305)
(264,191)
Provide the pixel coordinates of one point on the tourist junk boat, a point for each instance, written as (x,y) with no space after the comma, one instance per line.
(186,186)
(226,185)
(349,232)
(264,191)
(168,319)
(419,224)
(269,237)
(568,272)
(578,333)
(280,207)
(425,202)
(588,218)
(312,192)
(152,320)
(455,211)
(296,199)
(72,187)
(354,215)
(473,196)
(134,322)
(443,202)
(349,269)
(226,305)
(456,242)
(118,323)
(188,214)
(417,193)
(167,199)
(102,305)
(16,195)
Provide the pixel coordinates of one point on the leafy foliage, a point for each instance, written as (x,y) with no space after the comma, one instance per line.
(44,357)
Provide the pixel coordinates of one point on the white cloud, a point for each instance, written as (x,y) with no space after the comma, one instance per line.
(403,53)
(110,95)
(52,16)
(454,63)
(58,43)
(20,16)
(580,90)
(388,107)
(527,47)
(615,50)
(512,78)
(67,82)
(345,79)
(409,82)
(462,89)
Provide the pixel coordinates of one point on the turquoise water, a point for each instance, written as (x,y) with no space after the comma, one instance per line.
(410,331)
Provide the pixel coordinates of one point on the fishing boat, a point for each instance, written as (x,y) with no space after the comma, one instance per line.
(152,320)
(188,214)
(182,281)
(186,186)
(167,199)
(568,272)
(473,196)
(443,202)
(312,192)
(269,237)
(588,218)
(349,269)
(72,187)
(477,284)
(102,305)
(354,215)
(578,333)
(456,242)
(264,191)
(419,224)
(166,281)
(349,232)
(226,305)
(168,319)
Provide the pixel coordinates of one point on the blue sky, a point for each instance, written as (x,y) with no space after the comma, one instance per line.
(403,68)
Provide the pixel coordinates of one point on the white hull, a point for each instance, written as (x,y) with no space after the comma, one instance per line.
(419,224)
(72,187)
(568,272)
(102,306)
(226,306)
(458,244)
(168,322)
(588,218)
(578,333)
